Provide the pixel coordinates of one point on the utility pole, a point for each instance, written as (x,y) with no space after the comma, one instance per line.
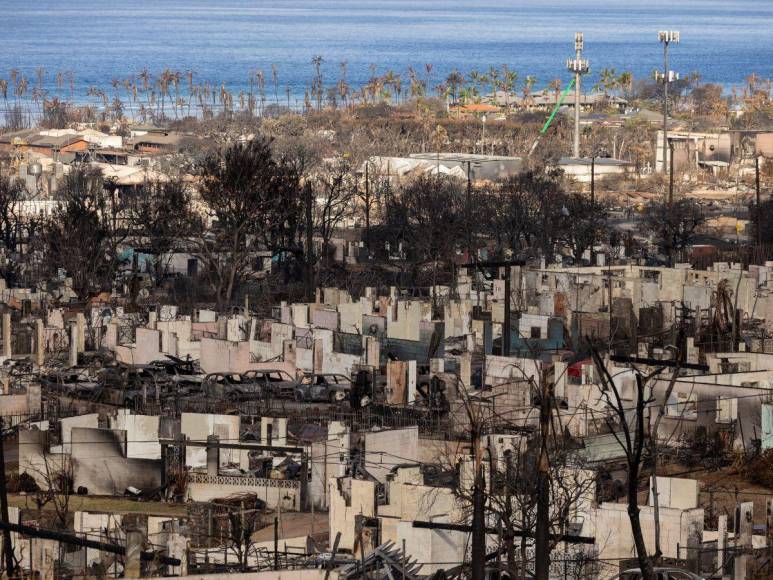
(542,532)
(507,321)
(7,545)
(367,208)
(666,37)
(579,67)
(359,524)
(469,208)
(478,508)
(509,547)
(671,175)
(276,543)
(309,243)
(757,189)
(593,178)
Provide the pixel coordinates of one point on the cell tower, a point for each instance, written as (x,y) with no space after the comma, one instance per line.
(666,38)
(579,66)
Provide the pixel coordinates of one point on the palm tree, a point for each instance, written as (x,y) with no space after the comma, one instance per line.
(474,77)
(388,81)
(454,81)
(625,80)
(71,82)
(493,75)
(555,86)
(4,91)
(695,79)
(275,82)
(175,78)
(343,92)
(145,78)
(317,86)
(751,83)
(163,87)
(191,90)
(510,80)
(21,87)
(528,84)
(609,78)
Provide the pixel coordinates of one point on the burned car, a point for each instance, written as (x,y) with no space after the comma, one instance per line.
(323,387)
(184,377)
(128,385)
(232,386)
(273,382)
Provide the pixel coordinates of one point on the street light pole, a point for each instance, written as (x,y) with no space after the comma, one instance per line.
(483,138)
(579,67)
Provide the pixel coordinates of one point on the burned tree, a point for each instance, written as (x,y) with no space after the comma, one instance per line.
(673,224)
(78,237)
(583,222)
(526,212)
(335,188)
(162,216)
(631,436)
(11,190)
(531,487)
(427,217)
(250,194)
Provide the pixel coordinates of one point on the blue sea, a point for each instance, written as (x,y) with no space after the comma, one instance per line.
(223,41)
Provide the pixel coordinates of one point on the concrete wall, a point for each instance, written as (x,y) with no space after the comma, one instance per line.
(674,492)
(406,316)
(198,426)
(67,424)
(614,540)
(101,466)
(349,498)
(34,458)
(328,460)
(141,434)
(386,449)
(278,494)
(148,346)
(748,389)
(224,356)
(14,405)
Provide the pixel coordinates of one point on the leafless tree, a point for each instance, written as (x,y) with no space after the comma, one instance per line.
(583,223)
(83,233)
(57,489)
(162,215)
(427,216)
(628,427)
(11,190)
(673,224)
(251,195)
(335,190)
(515,498)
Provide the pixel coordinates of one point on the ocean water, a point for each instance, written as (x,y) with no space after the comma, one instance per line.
(222,41)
